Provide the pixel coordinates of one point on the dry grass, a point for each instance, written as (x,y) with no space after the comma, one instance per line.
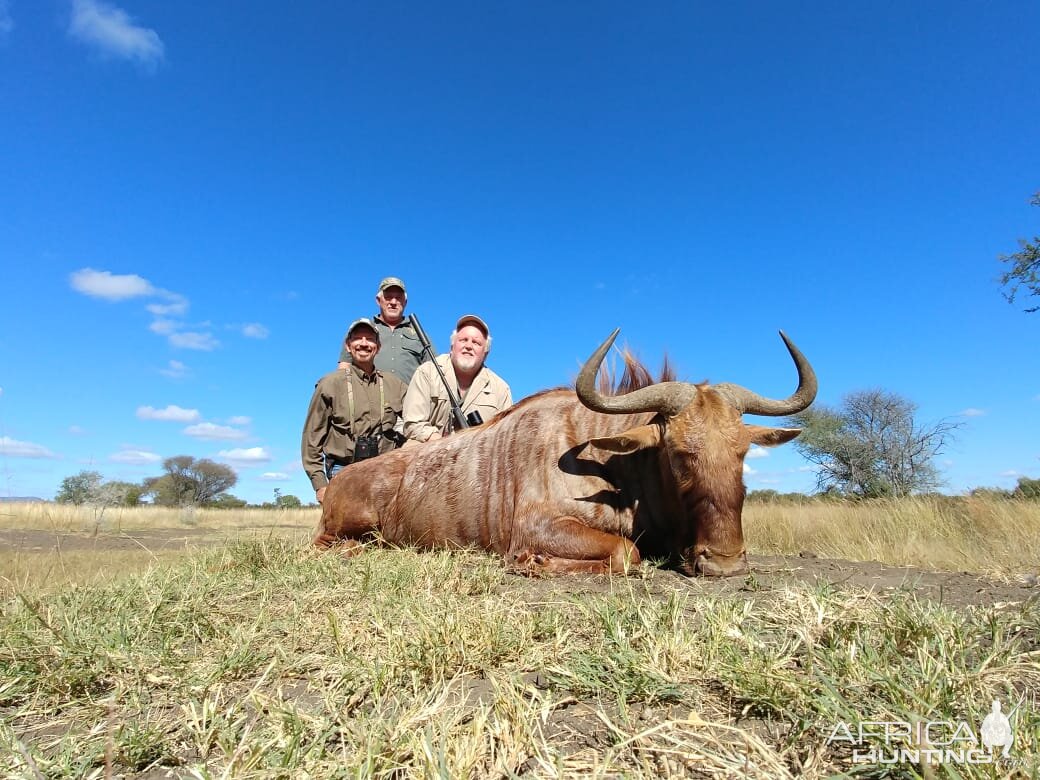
(984,536)
(47,547)
(67,518)
(261,660)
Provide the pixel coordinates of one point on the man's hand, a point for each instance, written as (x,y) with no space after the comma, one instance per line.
(320,494)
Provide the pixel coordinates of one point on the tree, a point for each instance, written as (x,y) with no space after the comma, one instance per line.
(227,501)
(1027,489)
(189,481)
(1025,266)
(116,493)
(872,446)
(81,488)
(288,502)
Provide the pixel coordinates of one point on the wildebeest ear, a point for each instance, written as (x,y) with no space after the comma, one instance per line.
(770,437)
(632,440)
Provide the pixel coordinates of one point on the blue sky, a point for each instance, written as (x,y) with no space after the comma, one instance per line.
(196,201)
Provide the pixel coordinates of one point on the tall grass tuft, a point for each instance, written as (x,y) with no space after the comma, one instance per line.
(991,536)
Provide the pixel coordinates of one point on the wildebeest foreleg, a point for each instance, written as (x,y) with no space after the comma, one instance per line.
(565,544)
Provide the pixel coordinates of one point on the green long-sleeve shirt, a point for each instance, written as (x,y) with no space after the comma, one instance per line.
(330,431)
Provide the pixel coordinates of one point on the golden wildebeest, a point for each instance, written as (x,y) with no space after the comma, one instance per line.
(577,481)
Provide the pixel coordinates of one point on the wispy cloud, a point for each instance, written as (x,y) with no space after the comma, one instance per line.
(194,340)
(175,306)
(254,330)
(110,286)
(757,452)
(972,412)
(251,456)
(24,449)
(211,432)
(274,476)
(77,430)
(112,33)
(134,457)
(175,369)
(170,413)
(120,287)
(6,22)
(240,420)
(1010,473)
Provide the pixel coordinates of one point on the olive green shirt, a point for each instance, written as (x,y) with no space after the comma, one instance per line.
(330,430)
(400,352)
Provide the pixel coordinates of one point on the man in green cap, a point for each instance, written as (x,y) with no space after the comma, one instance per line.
(401,353)
(353,412)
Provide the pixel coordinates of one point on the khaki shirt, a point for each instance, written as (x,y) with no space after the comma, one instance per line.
(400,352)
(426,407)
(330,430)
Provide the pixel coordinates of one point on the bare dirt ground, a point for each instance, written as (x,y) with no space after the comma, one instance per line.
(768,573)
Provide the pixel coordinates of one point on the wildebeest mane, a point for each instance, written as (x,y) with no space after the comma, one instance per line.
(635,376)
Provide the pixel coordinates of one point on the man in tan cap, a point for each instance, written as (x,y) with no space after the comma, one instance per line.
(427,410)
(352,412)
(401,352)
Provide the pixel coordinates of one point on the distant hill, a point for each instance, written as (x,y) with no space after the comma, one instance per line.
(22,499)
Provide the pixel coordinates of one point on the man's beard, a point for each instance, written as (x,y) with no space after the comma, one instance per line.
(467,362)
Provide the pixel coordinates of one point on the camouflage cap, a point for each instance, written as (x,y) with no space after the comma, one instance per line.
(363,321)
(391,281)
(475,321)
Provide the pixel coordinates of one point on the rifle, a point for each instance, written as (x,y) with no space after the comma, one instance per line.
(456,405)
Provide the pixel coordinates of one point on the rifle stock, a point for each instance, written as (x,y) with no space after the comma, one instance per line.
(456,405)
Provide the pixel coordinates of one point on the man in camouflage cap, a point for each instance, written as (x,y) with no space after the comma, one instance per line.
(401,353)
(352,409)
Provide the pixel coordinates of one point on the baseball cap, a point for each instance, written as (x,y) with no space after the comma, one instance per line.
(472,319)
(363,321)
(392,281)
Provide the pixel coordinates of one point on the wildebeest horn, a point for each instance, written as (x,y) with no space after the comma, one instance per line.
(747,402)
(670,397)
(666,397)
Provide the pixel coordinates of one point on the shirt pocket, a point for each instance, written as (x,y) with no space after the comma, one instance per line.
(410,343)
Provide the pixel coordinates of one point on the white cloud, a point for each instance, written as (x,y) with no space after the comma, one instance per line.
(120,287)
(971,412)
(245,457)
(177,306)
(749,470)
(76,430)
(111,287)
(163,327)
(112,32)
(192,340)
(23,449)
(175,370)
(254,330)
(757,452)
(170,413)
(135,457)
(6,22)
(274,476)
(212,432)
(239,420)
(1009,473)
